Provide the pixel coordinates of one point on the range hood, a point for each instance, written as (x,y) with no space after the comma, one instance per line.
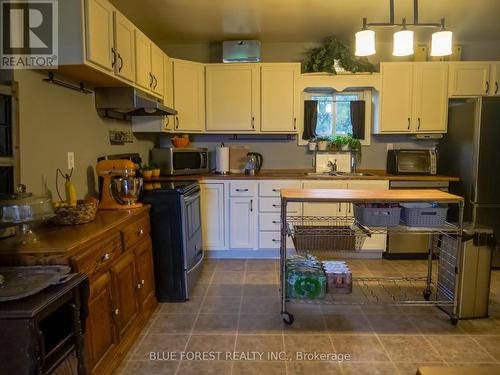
(126,102)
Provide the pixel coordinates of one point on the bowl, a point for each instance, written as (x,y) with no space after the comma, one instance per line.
(126,190)
(180,142)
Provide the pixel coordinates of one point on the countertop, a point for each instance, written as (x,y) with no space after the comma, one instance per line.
(62,240)
(301,174)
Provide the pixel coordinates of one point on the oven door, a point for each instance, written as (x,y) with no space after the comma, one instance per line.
(191,223)
(189,161)
(414,162)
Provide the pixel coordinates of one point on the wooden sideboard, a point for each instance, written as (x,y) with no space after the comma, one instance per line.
(115,252)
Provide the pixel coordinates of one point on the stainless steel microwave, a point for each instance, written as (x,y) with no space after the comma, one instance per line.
(179,161)
(423,162)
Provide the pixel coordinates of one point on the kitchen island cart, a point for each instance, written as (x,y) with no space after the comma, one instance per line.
(333,236)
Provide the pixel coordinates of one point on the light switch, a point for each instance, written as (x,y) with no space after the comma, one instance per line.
(71,160)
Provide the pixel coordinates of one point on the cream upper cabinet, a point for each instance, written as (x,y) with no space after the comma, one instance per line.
(430,100)
(157,70)
(232,97)
(396,98)
(189,95)
(469,79)
(168,94)
(143,75)
(494,79)
(279,97)
(99,33)
(124,33)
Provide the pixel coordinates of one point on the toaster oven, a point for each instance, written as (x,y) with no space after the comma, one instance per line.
(179,161)
(421,162)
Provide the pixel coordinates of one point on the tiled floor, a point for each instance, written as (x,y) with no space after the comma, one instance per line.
(235,309)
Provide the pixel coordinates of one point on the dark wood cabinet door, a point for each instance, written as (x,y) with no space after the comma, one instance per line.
(145,276)
(124,292)
(100,335)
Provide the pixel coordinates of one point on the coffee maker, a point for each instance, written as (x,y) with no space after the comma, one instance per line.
(119,189)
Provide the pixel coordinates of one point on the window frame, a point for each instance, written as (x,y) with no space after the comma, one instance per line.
(365,95)
(14,160)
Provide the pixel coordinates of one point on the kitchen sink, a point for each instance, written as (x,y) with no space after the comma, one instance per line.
(338,174)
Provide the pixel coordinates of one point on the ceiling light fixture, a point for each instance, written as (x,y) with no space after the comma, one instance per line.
(403,40)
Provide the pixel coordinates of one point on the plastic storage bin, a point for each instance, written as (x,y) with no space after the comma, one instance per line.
(377,216)
(423,215)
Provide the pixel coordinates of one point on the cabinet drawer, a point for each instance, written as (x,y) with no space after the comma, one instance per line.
(274,205)
(133,232)
(242,189)
(271,240)
(269,221)
(98,256)
(272,188)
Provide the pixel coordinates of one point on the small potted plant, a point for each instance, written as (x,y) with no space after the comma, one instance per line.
(355,145)
(342,142)
(312,144)
(146,171)
(155,171)
(323,142)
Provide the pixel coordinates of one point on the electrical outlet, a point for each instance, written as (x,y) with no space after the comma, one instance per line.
(71,160)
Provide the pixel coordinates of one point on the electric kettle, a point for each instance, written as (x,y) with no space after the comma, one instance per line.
(254,163)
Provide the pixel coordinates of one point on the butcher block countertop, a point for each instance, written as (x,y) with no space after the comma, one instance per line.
(301,174)
(348,195)
(63,240)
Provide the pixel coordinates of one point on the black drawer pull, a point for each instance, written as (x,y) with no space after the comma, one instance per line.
(241,190)
(276,205)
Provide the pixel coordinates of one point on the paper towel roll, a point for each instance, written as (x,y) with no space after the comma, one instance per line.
(222,160)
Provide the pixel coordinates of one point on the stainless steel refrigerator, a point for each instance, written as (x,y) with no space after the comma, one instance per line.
(471,151)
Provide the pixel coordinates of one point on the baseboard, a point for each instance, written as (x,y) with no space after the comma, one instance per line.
(275,254)
(405,256)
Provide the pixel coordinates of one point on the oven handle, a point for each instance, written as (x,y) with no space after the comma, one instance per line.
(204,160)
(192,196)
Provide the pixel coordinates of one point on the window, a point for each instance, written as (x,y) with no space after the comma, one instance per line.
(9,158)
(334,113)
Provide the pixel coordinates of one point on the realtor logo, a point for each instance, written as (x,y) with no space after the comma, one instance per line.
(29,34)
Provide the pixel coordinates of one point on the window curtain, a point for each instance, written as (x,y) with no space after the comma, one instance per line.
(358,119)
(310,119)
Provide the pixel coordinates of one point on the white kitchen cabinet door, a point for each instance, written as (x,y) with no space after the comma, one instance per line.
(168,93)
(143,76)
(242,224)
(124,32)
(396,98)
(430,99)
(377,242)
(469,79)
(279,97)
(494,79)
(157,70)
(213,216)
(99,33)
(324,209)
(232,97)
(189,96)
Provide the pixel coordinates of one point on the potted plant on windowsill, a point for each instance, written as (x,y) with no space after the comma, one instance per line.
(146,171)
(323,142)
(311,145)
(342,142)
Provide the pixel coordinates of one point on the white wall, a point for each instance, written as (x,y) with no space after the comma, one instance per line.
(55,120)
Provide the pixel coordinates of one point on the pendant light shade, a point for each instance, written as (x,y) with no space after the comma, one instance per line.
(403,43)
(441,43)
(365,43)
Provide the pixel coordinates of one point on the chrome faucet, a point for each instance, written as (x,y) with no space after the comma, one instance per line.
(332,166)
(354,161)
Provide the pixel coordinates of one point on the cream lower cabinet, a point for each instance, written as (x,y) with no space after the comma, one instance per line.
(243,208)
(377,242)
(325,209)
(213,216)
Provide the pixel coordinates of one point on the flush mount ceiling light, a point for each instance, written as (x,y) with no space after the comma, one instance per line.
(403,40)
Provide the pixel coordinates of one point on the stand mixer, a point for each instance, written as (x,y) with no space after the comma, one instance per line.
(119,189)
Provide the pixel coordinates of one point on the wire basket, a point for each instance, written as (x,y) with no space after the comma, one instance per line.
(74,215)
(311,233)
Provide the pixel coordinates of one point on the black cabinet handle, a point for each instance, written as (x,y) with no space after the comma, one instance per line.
(409,122)
(276,190)
(177,122)
(113,62)
(156,82)
(241,189)
(121,63)
(275,222)
(275,240)
(251,205)
(150,79)
(487,87)
(418,127)
(253,122)
(496,87)
(294,123)
(276,205)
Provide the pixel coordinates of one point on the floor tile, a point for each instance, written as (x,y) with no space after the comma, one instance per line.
(221,305)
(260,324)
(172,323)
(260,343)
(371,368)
(261,278)
(149,368)
(262,265)
(260,305)
(491,344)
(409,349)
(435,324)
(360,347)
(156,343)
(307,344)
(261,290)
(259,368)
(459,349)
(391,324)
(347,324)
(205,368)
(216,324)
(225,290)
(480,326)
(228,277)
(306,324)
(211,343)
(302,368)
(231,265)
(205,277)
(187,307)
(209,264)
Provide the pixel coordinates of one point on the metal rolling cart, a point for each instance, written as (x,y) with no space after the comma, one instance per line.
(330,236)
